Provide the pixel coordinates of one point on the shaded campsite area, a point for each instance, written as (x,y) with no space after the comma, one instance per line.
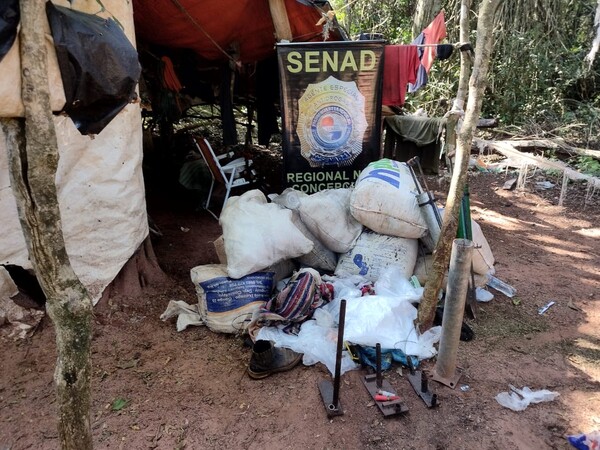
(156,388)
(266,224)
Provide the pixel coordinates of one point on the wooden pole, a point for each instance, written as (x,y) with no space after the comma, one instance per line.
(477,82)
(281,22)
(33,160)
(454,307)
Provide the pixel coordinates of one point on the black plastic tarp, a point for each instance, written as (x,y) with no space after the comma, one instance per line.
(99,66)
(9,20)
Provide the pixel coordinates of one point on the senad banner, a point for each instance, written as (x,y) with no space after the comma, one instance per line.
(331,110)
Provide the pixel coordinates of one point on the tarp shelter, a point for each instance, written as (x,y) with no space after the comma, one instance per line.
(210,28)
(99,180)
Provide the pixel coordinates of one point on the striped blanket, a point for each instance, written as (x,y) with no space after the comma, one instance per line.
(295,304)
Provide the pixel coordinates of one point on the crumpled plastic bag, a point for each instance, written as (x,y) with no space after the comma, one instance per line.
(391,283)
(587,441)
(317,343)
(388,321)
(483,295)
(187,315)
(520,399)
(369,320)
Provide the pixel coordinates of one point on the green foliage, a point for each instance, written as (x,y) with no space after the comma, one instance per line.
(588,165)
(393,18)
(538,79)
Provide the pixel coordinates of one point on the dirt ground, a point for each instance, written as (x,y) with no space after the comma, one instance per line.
(189,390)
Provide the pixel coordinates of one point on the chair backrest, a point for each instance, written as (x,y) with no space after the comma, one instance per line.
(210,159)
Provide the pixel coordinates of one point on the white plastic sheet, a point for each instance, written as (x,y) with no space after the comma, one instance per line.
(385,319)
(520,399)
(100,195)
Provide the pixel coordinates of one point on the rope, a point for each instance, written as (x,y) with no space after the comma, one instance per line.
(197,25)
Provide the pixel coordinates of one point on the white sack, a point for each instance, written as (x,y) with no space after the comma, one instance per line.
(423,268)
(101,198)
(187,315)
(281,270)
(374,253)
(258,234)
(483,259)
(227,305)
(384,200)
(327,215)
(320,257)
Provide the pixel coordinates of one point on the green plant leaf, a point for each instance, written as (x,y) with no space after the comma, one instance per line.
(119,403)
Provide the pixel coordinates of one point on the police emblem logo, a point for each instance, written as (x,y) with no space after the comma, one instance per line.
(331,123)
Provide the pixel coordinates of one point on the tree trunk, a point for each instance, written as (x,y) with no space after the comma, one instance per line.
(591,56)
(425,12)
(465,57)
(33,156)
(140,271)
(226,103)
(459,176)
(457,111)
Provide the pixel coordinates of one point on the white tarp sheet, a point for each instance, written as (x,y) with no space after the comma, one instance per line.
(99,180)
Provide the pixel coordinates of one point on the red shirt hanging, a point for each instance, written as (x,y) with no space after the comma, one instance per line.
(400,68)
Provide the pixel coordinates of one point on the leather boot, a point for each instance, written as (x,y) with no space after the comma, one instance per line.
(267,359)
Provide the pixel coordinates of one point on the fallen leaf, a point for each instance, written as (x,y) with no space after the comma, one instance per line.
(516,301)
(128,364)
(118,404)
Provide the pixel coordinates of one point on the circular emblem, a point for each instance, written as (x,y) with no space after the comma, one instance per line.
(331,122)
(331,127)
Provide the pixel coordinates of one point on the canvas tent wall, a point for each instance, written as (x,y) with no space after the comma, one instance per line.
(210,27)
(99,179)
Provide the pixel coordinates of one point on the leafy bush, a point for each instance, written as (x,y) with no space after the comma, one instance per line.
(538,82)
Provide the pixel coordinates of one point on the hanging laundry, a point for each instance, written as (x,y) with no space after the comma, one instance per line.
(400,68)
(434,33)
(421,73)
(444,51)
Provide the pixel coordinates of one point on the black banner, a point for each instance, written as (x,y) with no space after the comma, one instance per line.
(331,111)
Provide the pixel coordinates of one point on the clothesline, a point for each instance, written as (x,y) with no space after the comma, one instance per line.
(455,45)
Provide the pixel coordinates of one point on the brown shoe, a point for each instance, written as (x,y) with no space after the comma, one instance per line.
(267,359)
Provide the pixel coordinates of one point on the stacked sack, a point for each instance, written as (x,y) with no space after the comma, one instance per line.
(360,231)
